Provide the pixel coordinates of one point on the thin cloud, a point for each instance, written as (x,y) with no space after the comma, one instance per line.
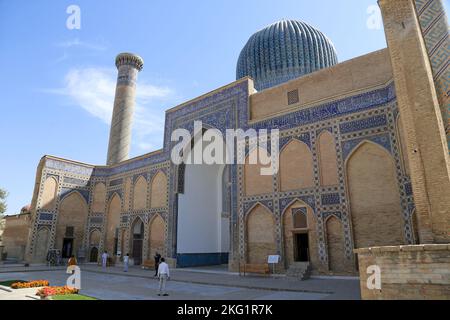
(69,46)
(78,43)
(93,89)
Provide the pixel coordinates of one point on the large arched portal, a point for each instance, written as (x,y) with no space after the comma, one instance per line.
(203,227)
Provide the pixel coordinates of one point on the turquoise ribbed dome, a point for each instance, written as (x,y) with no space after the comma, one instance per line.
(283,51)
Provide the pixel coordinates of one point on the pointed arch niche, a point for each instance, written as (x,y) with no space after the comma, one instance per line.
(296,166)
(140,194)
(98,203)
(71,223)
(327,159)
(337,261)
(41,244)
(48,198)
(157,236)
(374,197)
(112,224)
(261,239)
(256,183)
(158,198)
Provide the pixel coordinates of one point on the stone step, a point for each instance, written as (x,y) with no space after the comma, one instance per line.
(299,270)
(10,261)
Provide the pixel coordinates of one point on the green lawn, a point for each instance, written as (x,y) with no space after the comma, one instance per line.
(72,297)
(8,283)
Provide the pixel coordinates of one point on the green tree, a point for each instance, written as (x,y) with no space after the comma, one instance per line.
(3,195)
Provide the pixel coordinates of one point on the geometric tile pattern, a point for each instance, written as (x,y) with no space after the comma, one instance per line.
(366,123)
(330,198)
(435,31)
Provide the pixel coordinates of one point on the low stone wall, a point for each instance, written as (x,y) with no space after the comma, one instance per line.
(406,272)
(15,235)
(172,263)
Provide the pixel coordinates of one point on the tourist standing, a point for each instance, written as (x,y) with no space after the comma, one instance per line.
(157,259)
(104,258)
(163,275)
(126,259)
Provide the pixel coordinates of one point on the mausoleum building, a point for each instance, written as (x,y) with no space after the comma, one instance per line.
(348,166)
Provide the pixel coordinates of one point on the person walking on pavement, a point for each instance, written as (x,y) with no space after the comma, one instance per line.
(104,259)
(157,259)
(163,275)
(126,259)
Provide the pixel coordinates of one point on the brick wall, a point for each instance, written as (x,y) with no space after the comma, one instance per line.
(426,142)
(15,235)
(407,272)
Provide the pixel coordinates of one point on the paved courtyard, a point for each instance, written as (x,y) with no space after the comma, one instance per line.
(196,284)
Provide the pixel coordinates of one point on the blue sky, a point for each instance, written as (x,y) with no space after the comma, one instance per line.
(57,85)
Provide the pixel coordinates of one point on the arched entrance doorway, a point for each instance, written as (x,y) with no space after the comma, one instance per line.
(93,256)
(137,230)
(300,236)
(94,243)
(203,222)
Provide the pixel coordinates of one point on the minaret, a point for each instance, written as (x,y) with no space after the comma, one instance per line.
(128,66)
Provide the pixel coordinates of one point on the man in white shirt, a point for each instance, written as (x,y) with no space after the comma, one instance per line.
(104,259)
(163,275)
(125,262)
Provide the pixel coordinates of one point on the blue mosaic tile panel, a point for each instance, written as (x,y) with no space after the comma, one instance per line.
(79,182)
(301,210)
(250,205)
(383,140)
(45,216)
(408,189)
(150,160)
(66,191)
(337,214)
(68,167)
(309,200)
(358,125)
(330,198)
(330,110)
(96,220)
(116,182)
(111,193)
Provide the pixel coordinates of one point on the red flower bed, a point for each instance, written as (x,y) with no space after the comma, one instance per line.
(30,284)
(53,291)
